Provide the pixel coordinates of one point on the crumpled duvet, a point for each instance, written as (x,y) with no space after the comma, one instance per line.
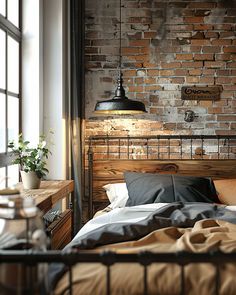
(177,227)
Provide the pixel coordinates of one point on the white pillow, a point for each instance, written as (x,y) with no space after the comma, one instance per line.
(117,194)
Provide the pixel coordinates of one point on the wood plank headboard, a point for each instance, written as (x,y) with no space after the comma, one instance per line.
(109,157)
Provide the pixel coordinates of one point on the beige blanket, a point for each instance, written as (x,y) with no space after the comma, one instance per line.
(163,279)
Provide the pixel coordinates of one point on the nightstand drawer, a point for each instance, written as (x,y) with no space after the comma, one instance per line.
(60,230)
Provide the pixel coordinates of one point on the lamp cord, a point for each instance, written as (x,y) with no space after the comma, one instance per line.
(120,57)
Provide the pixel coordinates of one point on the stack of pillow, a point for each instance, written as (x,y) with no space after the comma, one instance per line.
(147,188)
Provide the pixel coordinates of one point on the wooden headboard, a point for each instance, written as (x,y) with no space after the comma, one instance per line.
(109,157)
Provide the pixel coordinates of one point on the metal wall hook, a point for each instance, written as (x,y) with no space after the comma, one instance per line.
(189,116)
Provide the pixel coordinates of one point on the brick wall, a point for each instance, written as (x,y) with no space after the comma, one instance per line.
(165,45)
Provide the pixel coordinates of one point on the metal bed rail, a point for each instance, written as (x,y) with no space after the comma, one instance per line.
(163,147)
(30,259)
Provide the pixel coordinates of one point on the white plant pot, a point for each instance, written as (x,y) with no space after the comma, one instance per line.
(30,180)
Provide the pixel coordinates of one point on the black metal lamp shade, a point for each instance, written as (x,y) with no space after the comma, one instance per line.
(119,104)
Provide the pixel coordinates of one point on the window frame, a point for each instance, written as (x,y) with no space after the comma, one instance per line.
(16,33)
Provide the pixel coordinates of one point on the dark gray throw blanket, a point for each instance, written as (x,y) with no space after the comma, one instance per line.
(173,214)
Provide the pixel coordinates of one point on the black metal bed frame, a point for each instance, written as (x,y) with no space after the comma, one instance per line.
(30,259)
(159,147)
(109,258)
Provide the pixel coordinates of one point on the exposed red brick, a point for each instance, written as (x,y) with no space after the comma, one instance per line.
(223,80)
(180,72)
(148,35)
(156,63)
(231,49)
(225,56)
(192,64)
(225,132)
(203,57)
(214,64)
(129,50)
(170,65)
(228,118)
(178,80)
(166,72)
(207,80)
(223,72)
(149,80)
(211,49)
(211,35)
(203,27)
(195,72)
(208,72)
(193,20)
(139,80)
(129,73)
(192,80)
(149,65)
(200,42)
(139,42)
(201,5)
(135,88)
(223,27)
(221,42)
(184,56)
(153,72)
(215,110)
(205,103)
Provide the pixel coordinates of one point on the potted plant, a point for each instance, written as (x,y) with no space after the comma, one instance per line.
(32,160)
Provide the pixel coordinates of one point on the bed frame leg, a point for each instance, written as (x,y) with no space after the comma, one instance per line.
(182,285)
(145,283)
(108,280)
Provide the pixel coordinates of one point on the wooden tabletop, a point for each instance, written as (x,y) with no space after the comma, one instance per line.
(49,193)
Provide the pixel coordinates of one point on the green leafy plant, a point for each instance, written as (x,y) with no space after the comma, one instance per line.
(30,159)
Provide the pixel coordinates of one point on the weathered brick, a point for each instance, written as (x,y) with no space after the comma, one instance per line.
(214,64)
(211,49)
(205,103)
(202,5)
(231,49)
(192,80)
(129,50)
(208,72)
(195,72)
(225,56)
(141,42)
(150,35)
(166,72)
(161,52)
(200,42)
(203,57)
(192,20)
(170,65)
(184,56)
(153,72)
(223,80)
(192,64)
(207,80)
(215,110)
(202,27)
(179,80)
(228,118)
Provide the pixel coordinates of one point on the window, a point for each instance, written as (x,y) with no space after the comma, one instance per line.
(10,85)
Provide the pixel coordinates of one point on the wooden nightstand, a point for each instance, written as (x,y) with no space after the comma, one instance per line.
(49,193)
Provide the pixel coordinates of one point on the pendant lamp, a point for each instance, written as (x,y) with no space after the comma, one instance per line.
(119,104)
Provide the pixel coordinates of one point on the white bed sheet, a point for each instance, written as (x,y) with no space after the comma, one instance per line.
(126,214)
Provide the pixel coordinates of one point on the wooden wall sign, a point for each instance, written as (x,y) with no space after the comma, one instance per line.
(200,93)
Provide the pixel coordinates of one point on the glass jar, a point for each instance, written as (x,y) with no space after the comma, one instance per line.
(21,228)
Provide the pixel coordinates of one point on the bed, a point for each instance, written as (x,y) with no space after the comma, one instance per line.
(170,225)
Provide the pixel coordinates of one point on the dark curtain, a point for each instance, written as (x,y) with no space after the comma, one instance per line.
(76,106)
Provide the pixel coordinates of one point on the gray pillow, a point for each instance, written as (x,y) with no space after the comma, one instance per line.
(147,188)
